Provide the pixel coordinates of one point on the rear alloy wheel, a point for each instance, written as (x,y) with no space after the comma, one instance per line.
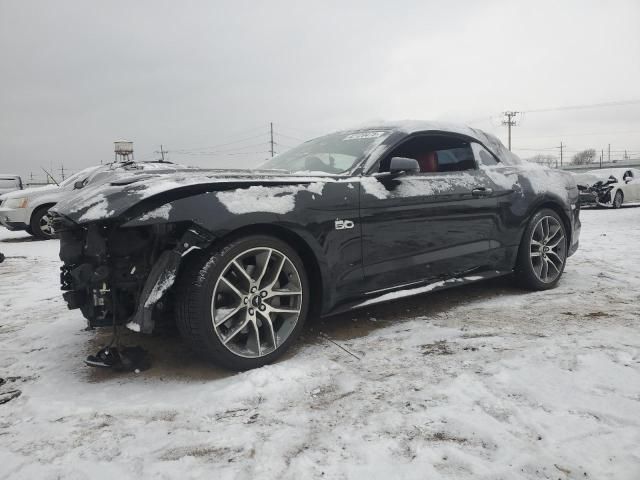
(543,251)
(617,199)
(41,225)
(244,305)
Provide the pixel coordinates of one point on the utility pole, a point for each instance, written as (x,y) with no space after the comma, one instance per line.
(509,122)
(162,151)
(601,156)
(609,154)
(62,170)
(271,125)
(561,150)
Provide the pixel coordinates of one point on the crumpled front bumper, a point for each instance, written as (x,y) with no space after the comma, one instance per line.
(117,276)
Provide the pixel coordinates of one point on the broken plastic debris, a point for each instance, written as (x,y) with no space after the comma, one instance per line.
(130,359)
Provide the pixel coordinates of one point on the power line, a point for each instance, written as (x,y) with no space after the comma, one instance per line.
(584,106)
(580,134)
(299,130)
(220,154)
(289,137)
(220,144)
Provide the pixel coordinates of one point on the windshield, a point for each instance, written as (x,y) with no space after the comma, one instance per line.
(332,154)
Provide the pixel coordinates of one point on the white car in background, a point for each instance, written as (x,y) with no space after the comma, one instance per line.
(28,209)
(610,187)
(9,183)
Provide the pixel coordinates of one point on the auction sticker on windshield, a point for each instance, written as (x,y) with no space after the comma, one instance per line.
(361,135)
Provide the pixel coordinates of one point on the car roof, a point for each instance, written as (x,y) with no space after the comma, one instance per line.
(415,126)
(410,127)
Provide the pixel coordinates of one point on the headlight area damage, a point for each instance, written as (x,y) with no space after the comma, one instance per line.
(119,276)
(597,194)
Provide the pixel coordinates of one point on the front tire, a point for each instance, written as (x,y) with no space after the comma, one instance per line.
(242,305)
(41,225)
(617,199)
(543,251)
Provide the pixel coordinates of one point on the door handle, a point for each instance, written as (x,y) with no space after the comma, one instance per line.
(481,192)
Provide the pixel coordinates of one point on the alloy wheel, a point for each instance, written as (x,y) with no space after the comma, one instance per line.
(256,302)
(548,249)
(46,226)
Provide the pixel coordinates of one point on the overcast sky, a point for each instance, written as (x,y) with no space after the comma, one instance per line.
(205,78)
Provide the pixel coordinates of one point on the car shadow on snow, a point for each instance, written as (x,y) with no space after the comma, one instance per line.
(361,322)
(171,359)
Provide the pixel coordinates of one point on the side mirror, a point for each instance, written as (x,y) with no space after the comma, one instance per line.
(78,185)
(403,165)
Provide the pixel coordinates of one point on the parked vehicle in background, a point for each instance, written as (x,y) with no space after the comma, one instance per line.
(28,209)
(588,195)
(9,183)
(609,187)
(239,258)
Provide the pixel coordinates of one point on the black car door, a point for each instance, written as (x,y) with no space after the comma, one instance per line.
(424,226)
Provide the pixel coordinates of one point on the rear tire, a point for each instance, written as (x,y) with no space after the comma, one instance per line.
(543,251)
(40,224)
(617,199)
(242,305)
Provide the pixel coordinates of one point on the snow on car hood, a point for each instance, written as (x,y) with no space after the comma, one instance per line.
(29,191)
(111,199)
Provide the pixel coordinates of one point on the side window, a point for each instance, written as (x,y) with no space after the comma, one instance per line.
(483,156)
(434,154)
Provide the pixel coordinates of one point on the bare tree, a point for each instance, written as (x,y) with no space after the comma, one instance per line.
(584,157)
(546,160)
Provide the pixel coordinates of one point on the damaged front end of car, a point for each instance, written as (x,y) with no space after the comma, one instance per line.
(597,194)
(121,276)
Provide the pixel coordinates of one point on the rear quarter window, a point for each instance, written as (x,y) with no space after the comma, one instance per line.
(483,156)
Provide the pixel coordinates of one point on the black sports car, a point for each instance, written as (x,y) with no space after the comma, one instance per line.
(240,258)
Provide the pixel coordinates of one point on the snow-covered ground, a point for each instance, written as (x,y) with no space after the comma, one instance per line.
(483,381)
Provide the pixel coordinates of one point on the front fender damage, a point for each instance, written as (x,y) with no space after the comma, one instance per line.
(162,277)
(123,276)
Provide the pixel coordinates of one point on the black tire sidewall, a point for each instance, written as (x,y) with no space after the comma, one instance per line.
(34,224)
(202,292)
(615,204)
(524,269)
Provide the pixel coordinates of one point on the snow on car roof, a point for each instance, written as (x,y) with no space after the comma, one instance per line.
(414,126)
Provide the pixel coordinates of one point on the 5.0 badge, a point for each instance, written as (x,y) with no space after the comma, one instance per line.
(344,224)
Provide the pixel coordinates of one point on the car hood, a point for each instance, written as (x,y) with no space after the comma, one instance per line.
(111,200)
(29,192)
(586,179)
